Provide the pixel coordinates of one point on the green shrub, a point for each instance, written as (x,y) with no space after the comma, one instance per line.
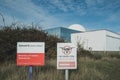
(10,36)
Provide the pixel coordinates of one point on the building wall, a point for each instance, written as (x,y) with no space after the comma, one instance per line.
(101,40)
(66,33)
(62,32)
(54,31)
(112,41)
(93,40)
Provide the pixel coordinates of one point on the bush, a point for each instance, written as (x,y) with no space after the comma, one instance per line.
(10,36)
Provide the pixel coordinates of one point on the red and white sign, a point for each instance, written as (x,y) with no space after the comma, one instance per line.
(30,53)
(66,56)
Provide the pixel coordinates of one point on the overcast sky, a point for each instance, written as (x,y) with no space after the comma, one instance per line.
(92,14)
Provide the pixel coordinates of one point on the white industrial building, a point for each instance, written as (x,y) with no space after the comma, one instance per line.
(96,40)
(99,40)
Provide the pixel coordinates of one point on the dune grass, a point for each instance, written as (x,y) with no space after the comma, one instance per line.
(106,68)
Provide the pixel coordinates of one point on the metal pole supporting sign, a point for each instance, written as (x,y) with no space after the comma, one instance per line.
(30,72)
(66,74)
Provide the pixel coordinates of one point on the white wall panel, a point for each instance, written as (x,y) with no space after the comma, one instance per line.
(112,41)
(97,40)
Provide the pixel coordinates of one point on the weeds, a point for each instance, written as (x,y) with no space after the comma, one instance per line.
(87,69)
(89,66)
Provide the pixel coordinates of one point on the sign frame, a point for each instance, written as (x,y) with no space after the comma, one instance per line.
(30,53)
(66,56)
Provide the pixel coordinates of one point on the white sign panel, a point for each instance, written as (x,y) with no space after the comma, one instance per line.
(66,56)
(30,53)
(30,47)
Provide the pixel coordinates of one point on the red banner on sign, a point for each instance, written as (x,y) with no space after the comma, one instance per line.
(66,64)
(27,59)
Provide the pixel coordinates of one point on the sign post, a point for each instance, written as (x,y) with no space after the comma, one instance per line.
(30,72)
(66,74)
(66,57)
(30,54)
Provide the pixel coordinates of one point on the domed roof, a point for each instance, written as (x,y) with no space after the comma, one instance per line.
(77,27)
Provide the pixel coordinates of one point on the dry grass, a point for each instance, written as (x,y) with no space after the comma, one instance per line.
(88,69)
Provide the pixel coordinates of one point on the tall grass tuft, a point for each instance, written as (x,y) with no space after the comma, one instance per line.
(87,69)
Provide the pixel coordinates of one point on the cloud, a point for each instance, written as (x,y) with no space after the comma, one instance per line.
(60,5)
(55,13)
(26,11)
(25,7)
(91,2)
(114,17)
(83,7)
(29,12)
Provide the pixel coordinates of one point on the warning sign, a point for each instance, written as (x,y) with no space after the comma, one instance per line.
(30,53)
(66,56)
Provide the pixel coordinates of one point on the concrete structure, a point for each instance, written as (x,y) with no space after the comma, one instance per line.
(77,27)
(62,32)
(97,40)
(100,40)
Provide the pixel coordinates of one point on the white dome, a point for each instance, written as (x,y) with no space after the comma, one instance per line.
(77,27)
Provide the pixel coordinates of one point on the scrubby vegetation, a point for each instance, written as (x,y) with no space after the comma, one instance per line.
(10,36)
(89,66)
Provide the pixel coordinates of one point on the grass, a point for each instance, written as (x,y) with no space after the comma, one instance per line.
(106,68)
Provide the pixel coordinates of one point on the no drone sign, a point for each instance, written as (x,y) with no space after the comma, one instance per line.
(66,56)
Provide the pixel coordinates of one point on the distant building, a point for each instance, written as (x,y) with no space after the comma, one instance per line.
(100,40)
(62,32)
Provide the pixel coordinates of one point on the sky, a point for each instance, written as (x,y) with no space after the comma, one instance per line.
(92,14)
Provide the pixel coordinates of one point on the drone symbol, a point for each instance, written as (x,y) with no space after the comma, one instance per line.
(67,50)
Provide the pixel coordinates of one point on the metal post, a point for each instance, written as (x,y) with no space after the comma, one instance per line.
(30,72)
(66,74)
